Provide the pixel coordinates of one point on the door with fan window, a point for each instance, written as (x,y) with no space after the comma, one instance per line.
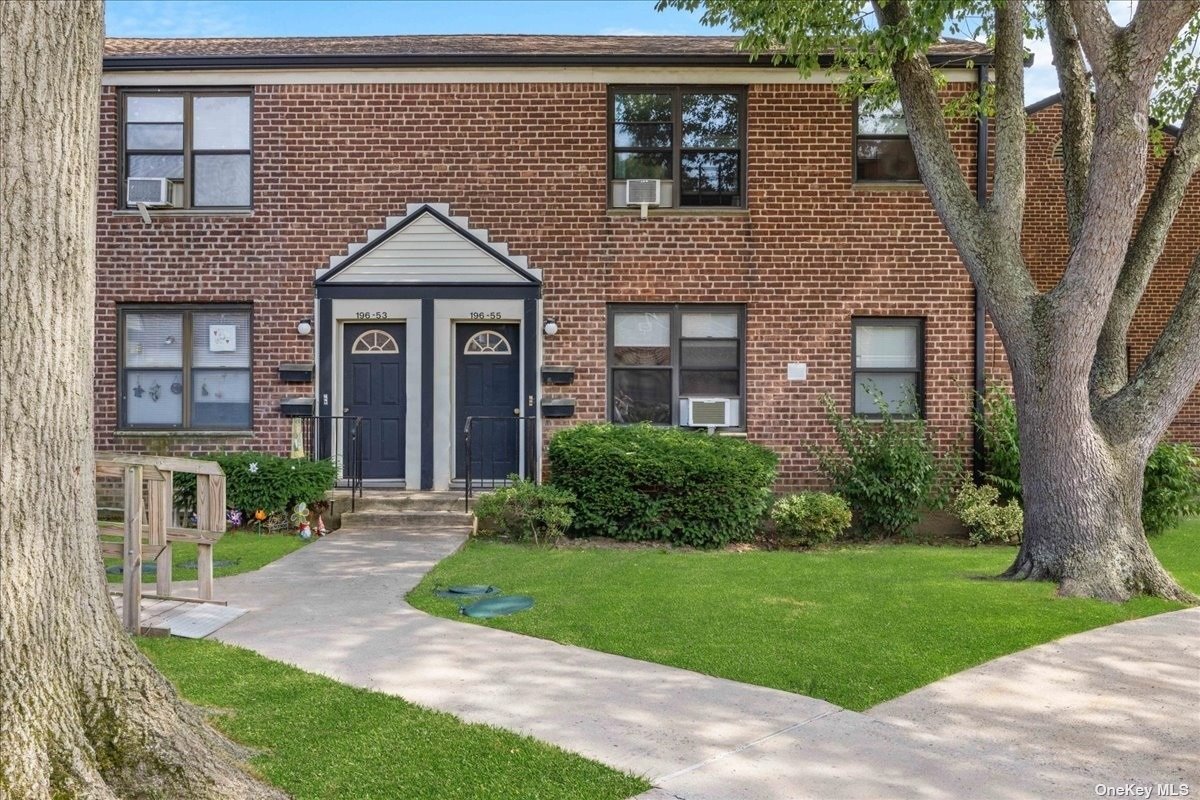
(487,391)
(374,390)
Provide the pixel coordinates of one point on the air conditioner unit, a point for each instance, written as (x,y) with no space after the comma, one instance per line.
(644,193)
(153,192)
(710,412)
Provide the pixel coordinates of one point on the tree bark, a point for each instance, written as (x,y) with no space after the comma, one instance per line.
(1082,496)
(82,712)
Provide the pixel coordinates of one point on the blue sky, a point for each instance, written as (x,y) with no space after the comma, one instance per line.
(188,18)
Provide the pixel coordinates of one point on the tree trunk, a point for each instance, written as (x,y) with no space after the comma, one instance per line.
(1082,497)
(82,712)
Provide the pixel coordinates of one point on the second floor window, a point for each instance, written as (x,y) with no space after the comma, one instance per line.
(882,150)
(690,138)
(199,142)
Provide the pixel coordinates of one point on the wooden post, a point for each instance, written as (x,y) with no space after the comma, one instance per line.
(132,562)
(210,516)
(162,510)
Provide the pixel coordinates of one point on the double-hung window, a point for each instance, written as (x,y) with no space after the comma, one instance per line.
(198,141)
(185,367)
(692,139)
(660,356)
(882,150)
(888,366)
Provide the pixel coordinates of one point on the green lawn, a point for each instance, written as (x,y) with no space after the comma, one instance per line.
(853,625)
(323,740)
(248,550)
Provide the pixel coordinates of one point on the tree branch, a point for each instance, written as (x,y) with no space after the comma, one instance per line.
(1110,370)
(992,259)
(1078,116)
(1145,407)
(1008,199)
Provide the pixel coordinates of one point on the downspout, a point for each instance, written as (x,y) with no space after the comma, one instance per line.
(981,197)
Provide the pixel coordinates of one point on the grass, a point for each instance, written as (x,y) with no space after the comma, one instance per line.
(323,740)
(249,550)
(853,625)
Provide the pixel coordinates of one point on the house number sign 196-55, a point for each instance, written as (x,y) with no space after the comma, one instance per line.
(371,315)
(486,315)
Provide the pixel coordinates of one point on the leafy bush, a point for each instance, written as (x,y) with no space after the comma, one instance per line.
(1172,487)
(810,518)
(261,481)
(525,510)
(986,518)
(637,482)
(1002,450)
(886,468)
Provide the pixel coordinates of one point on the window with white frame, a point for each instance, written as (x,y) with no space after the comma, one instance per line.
(185,367)
(660,356)
(888,366)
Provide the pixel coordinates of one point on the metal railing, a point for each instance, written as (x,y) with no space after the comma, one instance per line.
(491,459)
(338,438)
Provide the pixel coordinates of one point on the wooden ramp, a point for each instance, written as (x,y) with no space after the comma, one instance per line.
(191,620)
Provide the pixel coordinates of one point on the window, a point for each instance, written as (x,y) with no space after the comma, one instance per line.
(692,139)
(882,151)
(185,367)
(200,142)
(660,355)
(888,365)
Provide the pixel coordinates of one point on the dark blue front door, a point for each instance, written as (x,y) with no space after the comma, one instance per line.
(487,388)
(374,390)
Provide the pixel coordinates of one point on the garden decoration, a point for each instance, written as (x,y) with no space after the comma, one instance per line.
(300,519)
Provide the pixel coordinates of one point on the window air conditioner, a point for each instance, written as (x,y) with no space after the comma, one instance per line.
(710,412)
(644,193)
(151,192)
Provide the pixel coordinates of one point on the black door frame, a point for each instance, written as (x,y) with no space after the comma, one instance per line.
(528,293)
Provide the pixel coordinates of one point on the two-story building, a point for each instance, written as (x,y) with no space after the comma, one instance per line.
(522,231)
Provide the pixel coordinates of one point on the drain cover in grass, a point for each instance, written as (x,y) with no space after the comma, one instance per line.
(217,563)
(498,606)
(458,592)
(148,568)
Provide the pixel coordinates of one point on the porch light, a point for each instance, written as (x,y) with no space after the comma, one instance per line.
(304,327)
(550,326)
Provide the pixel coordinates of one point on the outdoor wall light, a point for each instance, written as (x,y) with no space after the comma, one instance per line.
(550,326)
(304,327)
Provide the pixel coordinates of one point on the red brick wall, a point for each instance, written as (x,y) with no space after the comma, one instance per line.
(528,162)
(1044,245)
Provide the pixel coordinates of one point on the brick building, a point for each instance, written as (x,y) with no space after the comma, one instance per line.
(421,230)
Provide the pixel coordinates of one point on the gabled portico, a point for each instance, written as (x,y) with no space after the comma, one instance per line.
(425,324)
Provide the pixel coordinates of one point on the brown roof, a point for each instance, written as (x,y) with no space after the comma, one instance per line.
(469,48)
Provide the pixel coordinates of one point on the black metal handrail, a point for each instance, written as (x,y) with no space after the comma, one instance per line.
(331,436)
(523,465)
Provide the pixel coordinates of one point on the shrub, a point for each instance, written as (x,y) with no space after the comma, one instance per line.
(637,482)
(1002,450)
(1171,489)
(525,510)
(261,481)
(886,468)
(810,518)
(986,518)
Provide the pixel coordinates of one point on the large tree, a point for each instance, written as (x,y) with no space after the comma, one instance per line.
(82,712)
(1087,424)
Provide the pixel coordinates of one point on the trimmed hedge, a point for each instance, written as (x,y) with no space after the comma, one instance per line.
(641,483)
(263,481)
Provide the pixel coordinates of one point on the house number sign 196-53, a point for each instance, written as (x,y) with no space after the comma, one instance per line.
(371,315)
(486,315)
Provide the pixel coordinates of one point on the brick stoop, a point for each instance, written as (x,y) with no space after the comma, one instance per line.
(409,512)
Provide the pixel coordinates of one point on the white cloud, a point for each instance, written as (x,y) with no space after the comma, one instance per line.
(174,19)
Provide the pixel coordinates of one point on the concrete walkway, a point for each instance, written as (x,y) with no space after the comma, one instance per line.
(337,607)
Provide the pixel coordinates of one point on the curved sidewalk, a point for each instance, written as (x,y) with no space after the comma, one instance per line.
(337,607)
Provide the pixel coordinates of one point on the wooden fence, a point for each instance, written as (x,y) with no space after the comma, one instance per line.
(148,529)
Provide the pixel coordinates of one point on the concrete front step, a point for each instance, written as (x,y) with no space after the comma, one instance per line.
(409,501)
(406,520)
